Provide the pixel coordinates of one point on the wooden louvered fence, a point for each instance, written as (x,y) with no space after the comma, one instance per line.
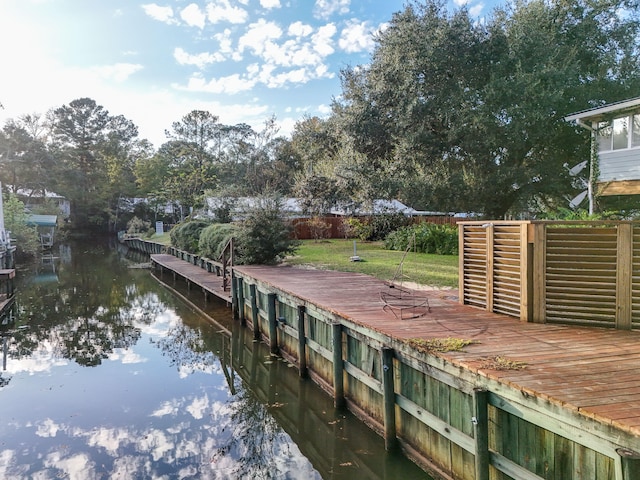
(585,273)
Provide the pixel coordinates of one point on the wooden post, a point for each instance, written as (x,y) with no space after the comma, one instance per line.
(623,276)
(539,281)
(273,326)
(255,314)
(490,262)
(481,433)
(630,464)
(525,273)
(389,399)
(461,264)
(240,287)
(302,342)
(234,296)
(338,366)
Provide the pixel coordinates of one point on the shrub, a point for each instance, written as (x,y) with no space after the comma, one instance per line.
(265,236)
(15,221)
(376,227)
(186,235)
(425,238)
(214,238)
(138,226)
(318,228)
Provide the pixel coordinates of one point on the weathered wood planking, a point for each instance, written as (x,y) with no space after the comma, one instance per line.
(209,282)
(577,375)
(564,364)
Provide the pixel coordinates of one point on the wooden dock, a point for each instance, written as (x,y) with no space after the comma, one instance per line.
(572,392)
(593,371)
(209,282)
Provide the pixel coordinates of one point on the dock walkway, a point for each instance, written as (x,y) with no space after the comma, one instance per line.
(591,370)
(209,282)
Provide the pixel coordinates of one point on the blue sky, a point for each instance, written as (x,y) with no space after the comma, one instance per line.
(242,60)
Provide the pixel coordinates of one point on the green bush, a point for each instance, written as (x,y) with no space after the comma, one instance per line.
(265,236)
(376,227)
(214,238)
(186,235)
(425,238)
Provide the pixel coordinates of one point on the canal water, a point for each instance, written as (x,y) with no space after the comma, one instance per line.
(107,373)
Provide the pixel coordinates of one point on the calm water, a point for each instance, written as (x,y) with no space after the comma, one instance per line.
(108,374)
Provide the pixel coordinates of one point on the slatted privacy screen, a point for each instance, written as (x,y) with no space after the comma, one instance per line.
(581,275)
(491,273)
(585,273)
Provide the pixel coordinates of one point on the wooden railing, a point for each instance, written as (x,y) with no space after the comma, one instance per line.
(574,272)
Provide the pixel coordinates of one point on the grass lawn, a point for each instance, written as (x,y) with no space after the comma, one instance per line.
(422,268)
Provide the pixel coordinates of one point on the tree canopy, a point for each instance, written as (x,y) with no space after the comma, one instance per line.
(451,113)
(472,112)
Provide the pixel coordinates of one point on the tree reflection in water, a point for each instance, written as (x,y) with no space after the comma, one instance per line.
(169,394)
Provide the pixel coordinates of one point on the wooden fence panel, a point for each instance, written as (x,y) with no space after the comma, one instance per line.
(580,275)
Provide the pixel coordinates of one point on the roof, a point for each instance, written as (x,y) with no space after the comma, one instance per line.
(597,113)
(294,206)
(42,220)
(33,193)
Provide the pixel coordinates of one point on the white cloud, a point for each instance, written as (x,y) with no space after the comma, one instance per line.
(118,72)
(193,16)
(75,466)
(460,3)
(157,12)
(198,407)
(222,11)
(47,428)
(323,40)
(200,60)
(356,37)
(476,10)
(229,85)
(326,8)
(259,35)
(269,4)
(299,29)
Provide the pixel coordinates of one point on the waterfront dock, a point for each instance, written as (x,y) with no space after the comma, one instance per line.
(522,400)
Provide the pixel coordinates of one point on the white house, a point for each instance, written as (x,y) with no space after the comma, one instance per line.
(33,197)
(615,129)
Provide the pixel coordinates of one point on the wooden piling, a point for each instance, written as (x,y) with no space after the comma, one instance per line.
(338,366)
(240,288)
(389,399)
(273,326)
(481,433)
(302,342)
(255,314)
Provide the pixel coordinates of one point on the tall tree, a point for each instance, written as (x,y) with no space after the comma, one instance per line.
(471,113)
(93,150)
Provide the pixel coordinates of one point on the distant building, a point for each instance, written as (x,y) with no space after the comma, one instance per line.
(33,197)
(292,207)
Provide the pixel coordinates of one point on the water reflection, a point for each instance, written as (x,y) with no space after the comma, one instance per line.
(108,374)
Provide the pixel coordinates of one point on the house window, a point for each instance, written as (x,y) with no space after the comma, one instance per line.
(635,131)
(620,133)
(604,136)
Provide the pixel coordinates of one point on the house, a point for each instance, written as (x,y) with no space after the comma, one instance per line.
(615,130)
(33,197)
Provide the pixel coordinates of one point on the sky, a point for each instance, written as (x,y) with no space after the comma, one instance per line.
(244,61)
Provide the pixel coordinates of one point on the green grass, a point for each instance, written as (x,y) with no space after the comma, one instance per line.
(164,239)
(422,268)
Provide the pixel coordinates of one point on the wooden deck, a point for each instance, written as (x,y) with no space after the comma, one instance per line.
(594,371)
(208,281)
(591,370)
